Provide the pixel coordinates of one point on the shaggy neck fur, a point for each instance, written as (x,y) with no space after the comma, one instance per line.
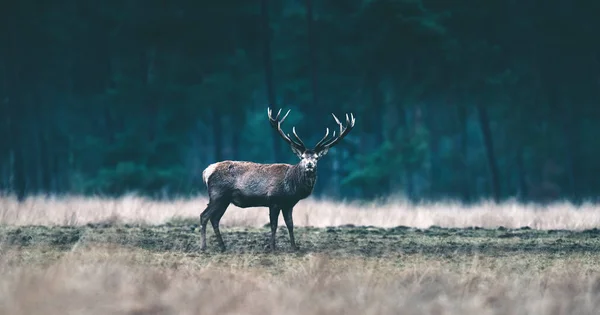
(300,181)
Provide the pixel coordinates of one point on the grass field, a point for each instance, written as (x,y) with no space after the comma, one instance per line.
(133,256)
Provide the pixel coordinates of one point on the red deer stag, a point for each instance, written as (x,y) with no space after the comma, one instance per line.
(276,186)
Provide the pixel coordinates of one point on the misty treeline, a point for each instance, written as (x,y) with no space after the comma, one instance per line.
(462,99)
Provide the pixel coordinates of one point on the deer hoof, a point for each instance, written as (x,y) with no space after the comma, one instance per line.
(271,247)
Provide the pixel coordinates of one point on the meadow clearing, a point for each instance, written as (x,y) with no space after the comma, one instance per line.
(80,255)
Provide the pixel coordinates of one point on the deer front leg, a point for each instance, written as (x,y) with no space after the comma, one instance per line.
(273,217)
(289,223)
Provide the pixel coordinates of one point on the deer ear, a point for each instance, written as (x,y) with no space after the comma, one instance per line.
(323,152)
(296,151)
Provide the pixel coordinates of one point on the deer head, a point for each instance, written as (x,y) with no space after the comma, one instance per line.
(310,157)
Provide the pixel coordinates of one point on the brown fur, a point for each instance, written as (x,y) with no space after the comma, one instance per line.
(247,184)
(276,186)
(250,184)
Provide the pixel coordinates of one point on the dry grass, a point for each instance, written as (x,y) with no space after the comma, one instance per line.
(106,280)
(82,210)
(548,276)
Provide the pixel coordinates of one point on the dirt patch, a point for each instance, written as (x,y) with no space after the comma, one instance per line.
(363,241)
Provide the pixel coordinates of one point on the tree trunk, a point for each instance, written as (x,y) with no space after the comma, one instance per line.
(374,124)
(5,152)
(5,172)
(464,147)
(217,134)
(571,148)
(523,192)
(46,164)
(374,118)
(435,133)
(312,52)
(36,153)
(15,105)
(149,75)
(409,188)
(238,120)
(336,170)
(268,65)
(41,133)
(43,158)
(484,124)
(392,121)
(20,183)
(17,136)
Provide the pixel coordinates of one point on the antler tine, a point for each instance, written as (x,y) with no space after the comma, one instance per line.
(336,119)
(333,138)
(339,123)
(284,116)
(296,135)
(270,113)
(324,138)
(325,142)
(294,142)
(350,120)
(276,124)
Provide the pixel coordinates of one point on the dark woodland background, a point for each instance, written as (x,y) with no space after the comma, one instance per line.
(456,99)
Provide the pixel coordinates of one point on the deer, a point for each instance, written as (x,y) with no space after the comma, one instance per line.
(277,186)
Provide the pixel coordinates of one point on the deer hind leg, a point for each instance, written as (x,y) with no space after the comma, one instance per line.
(273,218)
(289,223)
(214,220)
(214,206)
(203,220)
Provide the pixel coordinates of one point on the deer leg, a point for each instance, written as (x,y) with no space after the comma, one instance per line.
(273,217)
(204,217)
(214,220)
(289,223)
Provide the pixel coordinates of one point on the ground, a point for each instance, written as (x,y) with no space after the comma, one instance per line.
(343,241)
(154,266)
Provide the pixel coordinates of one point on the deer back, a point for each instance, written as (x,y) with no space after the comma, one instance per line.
(247,178)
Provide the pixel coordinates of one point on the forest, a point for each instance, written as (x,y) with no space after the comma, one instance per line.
(463,100)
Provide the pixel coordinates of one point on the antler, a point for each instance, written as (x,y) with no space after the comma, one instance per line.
(276,124)
(326,144)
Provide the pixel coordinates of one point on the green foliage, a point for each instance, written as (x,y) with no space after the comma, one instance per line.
(392,158)
(113,97)
(372,169)
(132,177)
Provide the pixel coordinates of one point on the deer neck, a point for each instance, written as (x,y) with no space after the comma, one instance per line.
(301,181)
